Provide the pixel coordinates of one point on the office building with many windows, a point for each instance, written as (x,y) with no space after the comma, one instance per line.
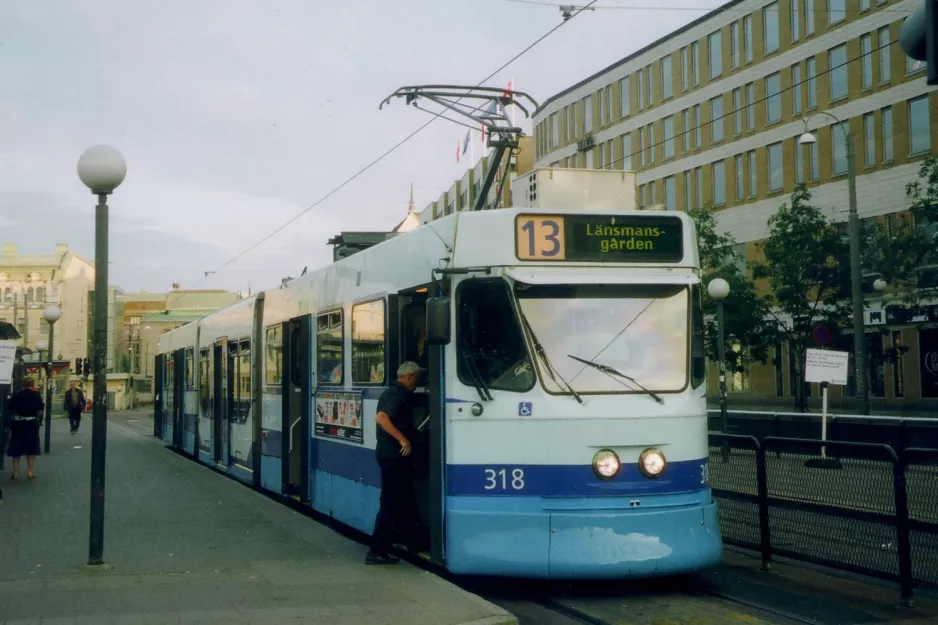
(710,115)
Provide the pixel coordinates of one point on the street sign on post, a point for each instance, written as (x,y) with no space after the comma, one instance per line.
(825,367)
(822,334)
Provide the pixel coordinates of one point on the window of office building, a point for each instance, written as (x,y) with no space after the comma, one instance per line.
(670,193)
(715,47)
(685,68)
(625,97)
(864,5)
(640,84)
(734,44)
(837,61)
(641,147)
(884,60)
(799,161)
(773,98)
(919,141)
(716,119)
(698,181)
(839,151)
(770,27)
(750,106)
(747,38)
(776,178)
(667,80)
(753,178)
(588,114)
(668,129)
(811,71)
(601,101)
(695,63)
(698,129)
(815,161)
(808,17)
(719,183)
(866,63)
(836,11)
(795,21)
(650,144)
(887,135)
(740,178)
(649,85)
(686,129)
(869,139)
(688,204)
(737,111)
(627,151)
(796,88)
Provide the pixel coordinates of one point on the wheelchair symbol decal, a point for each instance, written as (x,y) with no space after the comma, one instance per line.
(525,408)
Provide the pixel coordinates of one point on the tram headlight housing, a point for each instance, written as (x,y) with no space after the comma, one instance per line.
(606,464)
(652,463)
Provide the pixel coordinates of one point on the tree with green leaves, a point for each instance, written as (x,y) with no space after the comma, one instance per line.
(745,312)
(807,265)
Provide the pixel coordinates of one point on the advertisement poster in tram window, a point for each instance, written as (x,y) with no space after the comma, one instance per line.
(928,361)
(339,415)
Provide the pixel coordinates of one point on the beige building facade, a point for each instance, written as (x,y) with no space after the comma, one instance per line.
(709,116)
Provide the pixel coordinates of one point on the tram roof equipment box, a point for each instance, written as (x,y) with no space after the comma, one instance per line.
(590,189)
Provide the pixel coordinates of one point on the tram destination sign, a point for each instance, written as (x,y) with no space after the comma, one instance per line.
(599,238)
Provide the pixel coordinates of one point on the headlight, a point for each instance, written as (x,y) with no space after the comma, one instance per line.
(651,463)
(605,464)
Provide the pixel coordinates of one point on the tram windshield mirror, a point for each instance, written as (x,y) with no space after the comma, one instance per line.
(438,325)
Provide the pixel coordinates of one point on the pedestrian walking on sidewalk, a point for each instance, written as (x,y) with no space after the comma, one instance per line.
(397,514)
(26,406)
(74,406)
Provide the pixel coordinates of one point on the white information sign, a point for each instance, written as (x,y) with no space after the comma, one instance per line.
(824,365)
(7,358)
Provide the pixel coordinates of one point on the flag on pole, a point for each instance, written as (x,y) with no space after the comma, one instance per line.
(465,143)
(457,150)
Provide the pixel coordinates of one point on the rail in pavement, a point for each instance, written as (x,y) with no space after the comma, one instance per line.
(183,545)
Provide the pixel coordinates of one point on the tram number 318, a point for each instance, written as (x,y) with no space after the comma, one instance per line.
(504,479)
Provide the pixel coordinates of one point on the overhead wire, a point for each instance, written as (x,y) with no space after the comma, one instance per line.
(386,153)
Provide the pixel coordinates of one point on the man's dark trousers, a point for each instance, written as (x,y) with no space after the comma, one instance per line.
(74,418)
(397,515)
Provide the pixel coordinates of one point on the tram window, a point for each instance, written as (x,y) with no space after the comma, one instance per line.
(329,348)
(190,369)
(489,338)
(204,388)
(274,361)
(244,378)
(368,343)
(697,353)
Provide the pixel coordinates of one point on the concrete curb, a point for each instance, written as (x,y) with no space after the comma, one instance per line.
(500,616)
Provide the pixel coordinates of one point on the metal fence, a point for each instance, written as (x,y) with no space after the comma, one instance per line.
(897,432)
(860,507)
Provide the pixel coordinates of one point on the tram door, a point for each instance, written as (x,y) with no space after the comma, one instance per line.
(160,395)
(295,451)
(179,377)
(428,447)
(219,401)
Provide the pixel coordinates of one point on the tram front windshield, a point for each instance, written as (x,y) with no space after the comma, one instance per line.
(640,331)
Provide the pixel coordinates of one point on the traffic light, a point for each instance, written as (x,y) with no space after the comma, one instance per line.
(919,38)
(87,370)
(78,366)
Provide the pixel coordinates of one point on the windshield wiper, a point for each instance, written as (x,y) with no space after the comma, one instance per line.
(477,381)
(542,354)
(615,372)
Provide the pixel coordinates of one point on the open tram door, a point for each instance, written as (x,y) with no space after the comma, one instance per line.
(160,396)
(295,443)
(179,396)
(415,311)
(219,400)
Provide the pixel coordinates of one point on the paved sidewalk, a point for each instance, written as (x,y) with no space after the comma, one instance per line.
(187,546)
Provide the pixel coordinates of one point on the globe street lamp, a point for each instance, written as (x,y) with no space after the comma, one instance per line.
(719,289)
(856,279)
(102,169)
(51,314)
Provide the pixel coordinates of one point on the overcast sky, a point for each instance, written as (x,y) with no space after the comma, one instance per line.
(236,115)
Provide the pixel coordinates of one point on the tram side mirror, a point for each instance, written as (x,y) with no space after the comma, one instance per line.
(438,326)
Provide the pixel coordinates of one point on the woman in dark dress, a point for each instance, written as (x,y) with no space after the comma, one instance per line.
(26,406)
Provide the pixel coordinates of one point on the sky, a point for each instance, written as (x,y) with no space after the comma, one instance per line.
(234,116)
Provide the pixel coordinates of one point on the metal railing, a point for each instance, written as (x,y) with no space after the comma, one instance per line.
(860,507)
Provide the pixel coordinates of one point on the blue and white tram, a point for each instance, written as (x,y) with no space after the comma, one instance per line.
(563,418)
